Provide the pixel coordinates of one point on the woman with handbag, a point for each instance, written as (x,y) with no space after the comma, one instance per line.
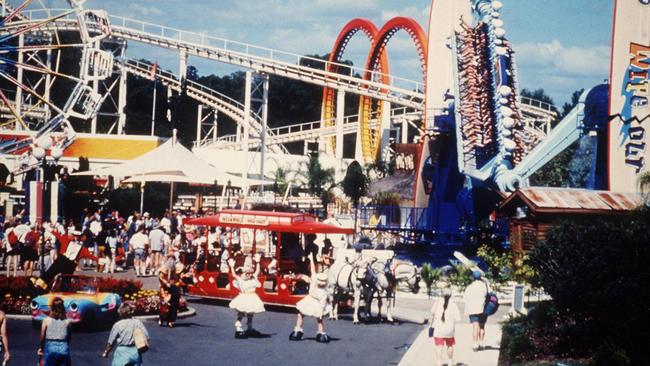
(129,337)
(444,315)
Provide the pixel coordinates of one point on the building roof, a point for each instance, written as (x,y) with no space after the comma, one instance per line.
(572,200)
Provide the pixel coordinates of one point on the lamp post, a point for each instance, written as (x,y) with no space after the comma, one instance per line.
(229,190)
(39,151)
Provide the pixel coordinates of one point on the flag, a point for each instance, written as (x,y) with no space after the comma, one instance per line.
(154,69)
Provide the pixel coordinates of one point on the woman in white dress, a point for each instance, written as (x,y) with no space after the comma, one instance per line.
(315,304)
(247,303)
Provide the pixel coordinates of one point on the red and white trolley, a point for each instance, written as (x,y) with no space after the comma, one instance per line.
(276,235)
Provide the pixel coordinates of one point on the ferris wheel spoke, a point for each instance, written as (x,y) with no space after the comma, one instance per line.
(43,70)
(34,26)
(6,49)
(15,12)
(12,109)
(30,91)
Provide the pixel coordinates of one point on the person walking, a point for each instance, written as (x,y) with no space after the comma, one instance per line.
(123,338)
(4,339)
(156,238)
(474,299)
(444,315)
(247,303)
(138,244)
(12,249)
(55,336)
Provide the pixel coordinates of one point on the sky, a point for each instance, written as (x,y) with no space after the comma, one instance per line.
(560,45)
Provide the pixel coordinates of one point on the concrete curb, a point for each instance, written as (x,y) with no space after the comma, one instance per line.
(186,314)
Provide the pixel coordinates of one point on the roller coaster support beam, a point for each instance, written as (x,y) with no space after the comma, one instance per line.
(340,112)
(19,77)
(199,123)
(121,98)
(248,89)
(264,106)
(384,125)
(182,65)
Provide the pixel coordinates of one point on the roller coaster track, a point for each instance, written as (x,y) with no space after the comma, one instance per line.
(312,130)
(207,96)
(398,91)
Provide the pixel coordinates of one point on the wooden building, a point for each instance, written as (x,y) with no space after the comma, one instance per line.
(533,211)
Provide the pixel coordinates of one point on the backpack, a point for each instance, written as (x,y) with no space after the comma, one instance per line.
(491,304)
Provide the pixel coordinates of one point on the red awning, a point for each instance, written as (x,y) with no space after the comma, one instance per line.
(272,221)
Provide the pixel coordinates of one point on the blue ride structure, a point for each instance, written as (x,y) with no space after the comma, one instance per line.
(479,148)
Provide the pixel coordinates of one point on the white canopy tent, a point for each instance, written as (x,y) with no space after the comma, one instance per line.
(172,162)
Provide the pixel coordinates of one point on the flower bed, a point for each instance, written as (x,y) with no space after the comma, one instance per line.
(146,302)
(17,293)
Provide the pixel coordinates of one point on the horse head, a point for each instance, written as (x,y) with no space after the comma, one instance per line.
(414,281)
(410,274)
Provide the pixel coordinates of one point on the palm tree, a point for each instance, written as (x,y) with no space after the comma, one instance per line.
(644,182)
(644,186)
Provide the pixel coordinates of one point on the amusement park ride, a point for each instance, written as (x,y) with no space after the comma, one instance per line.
(477,136)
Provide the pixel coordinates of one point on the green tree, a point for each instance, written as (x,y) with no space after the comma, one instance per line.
(355,183)
(568,106)
(318,179)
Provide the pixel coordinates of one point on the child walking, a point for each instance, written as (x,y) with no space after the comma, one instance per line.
(247,303)
(315,304)
(444,315)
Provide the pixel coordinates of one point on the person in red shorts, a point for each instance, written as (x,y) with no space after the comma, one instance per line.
(443,318)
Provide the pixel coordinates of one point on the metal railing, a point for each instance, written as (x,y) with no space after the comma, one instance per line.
(393,218)
(537,104)
(270,60)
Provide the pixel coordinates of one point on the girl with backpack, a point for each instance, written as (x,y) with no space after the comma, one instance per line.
(444,315)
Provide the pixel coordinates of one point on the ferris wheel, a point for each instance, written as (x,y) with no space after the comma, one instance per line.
(48,58)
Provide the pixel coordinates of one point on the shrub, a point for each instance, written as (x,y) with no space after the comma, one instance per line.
(461,276)
(609,354)
(595,269)
(430,276)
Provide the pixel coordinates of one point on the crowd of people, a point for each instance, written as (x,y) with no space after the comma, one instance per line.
(173,251)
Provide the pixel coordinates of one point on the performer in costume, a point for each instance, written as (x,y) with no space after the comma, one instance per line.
(247,303)
(315,304)
(72,250)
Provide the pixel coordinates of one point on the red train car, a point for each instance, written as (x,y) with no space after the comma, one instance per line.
(278,236)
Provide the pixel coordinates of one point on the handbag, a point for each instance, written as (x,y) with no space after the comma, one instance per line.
(141,342)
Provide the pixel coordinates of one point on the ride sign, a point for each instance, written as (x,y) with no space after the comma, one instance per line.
(629,93)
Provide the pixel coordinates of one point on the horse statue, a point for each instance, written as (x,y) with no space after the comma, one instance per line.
(346,276)
(383,277)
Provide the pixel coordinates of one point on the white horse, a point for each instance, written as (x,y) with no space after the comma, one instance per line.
(386,276)
(346,277)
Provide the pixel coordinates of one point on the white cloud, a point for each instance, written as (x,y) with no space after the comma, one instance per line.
(575,61)
(145,10)
(421,15)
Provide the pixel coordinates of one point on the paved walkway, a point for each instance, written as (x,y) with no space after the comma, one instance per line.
(422,351)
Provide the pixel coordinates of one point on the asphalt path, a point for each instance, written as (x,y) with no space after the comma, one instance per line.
(208,339)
